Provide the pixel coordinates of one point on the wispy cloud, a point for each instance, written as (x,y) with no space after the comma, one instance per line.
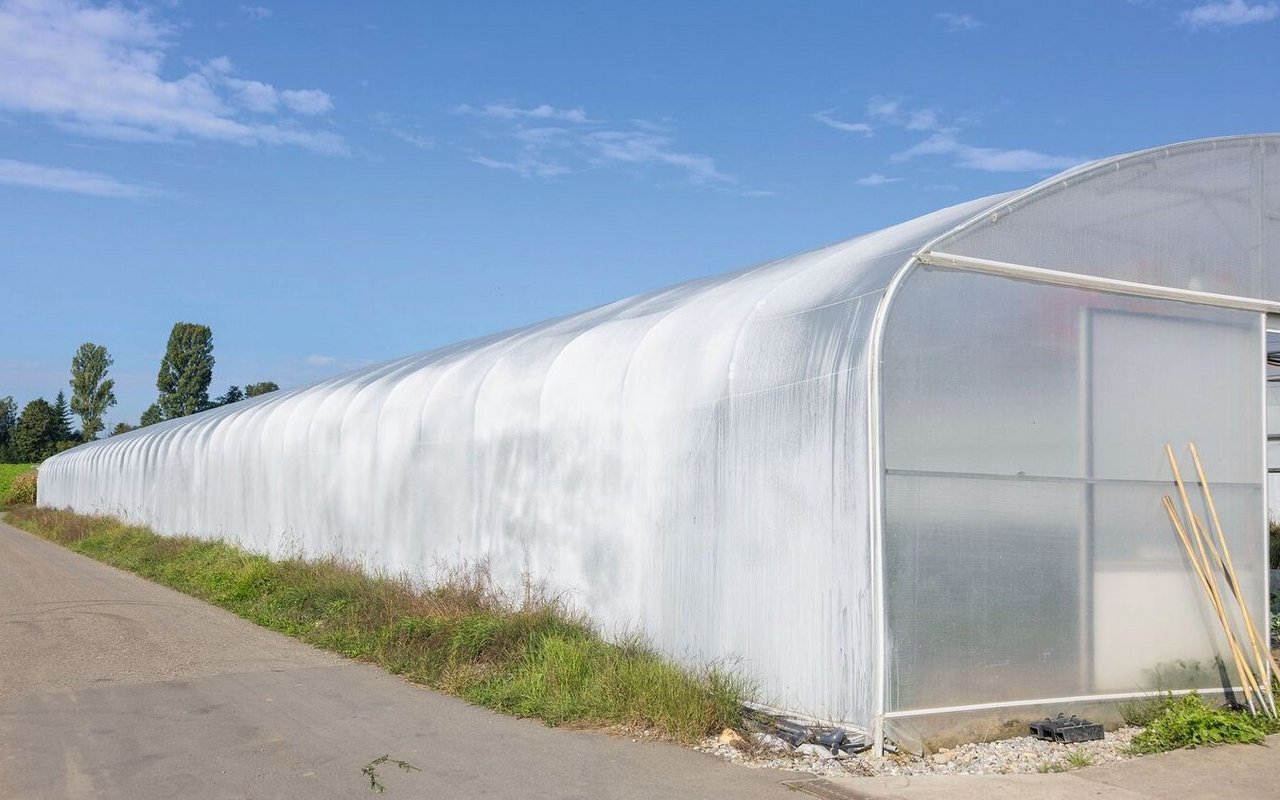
(893,112)
(405,132)
(826,118)
(546,141)
(876,179)
(320,361)
(255,12)
(60,179)
(988,159)
(99,72)
(1228,14)
(943,139)
(957,22)
(542,112)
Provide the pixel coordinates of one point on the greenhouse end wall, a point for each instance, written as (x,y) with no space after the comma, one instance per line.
(1035,361)
(1027,554)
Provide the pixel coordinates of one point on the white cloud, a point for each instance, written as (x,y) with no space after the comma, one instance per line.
(525,166)
(848,127)
(59,179)
(510,112)
(99,71)
(957,22)
(1228,14)
(533,146)
(307,101)
(254,95)
(255,12)
(644,148)
(875,179)
(988,159)
(320,361)
(892,112)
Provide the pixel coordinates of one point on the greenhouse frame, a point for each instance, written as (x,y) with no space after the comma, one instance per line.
(909,483)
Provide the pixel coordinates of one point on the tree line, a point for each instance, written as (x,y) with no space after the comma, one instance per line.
(42,428)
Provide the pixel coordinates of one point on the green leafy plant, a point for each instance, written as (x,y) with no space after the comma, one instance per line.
(1188,721)
(370,771)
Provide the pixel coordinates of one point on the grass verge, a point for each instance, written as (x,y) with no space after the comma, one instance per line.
(1173,723)
(461,635)
(9,473)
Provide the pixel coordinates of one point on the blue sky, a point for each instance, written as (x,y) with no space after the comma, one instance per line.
(330,185)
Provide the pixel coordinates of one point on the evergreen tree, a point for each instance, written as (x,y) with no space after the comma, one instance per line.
(233,395)
(62,412)
(122,427)
(35,436)
(92,392)
(186,370)
(8,419)
(151,416)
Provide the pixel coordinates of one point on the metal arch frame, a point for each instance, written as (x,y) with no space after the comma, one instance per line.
(929,258)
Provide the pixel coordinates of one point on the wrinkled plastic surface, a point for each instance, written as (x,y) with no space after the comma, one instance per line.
(691,463)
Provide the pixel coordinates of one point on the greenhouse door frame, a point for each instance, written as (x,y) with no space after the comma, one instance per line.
(927,257)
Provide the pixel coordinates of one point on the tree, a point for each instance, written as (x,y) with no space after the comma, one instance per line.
(151,416)
(62,418)
(255,389)
(186,370)
(35,437)
(92,392)
(122,427)
(233,395)
(8,419)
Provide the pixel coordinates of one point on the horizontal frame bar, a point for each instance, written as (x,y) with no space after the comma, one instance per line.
(1048,701)
(1078,281)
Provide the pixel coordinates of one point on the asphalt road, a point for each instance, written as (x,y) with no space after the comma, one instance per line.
(114,687)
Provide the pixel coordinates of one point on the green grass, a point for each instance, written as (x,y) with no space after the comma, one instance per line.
(1173,723)
(7,473)
(1076,759)
(531,657)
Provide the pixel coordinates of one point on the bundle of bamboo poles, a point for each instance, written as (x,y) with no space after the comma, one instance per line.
(1207,561)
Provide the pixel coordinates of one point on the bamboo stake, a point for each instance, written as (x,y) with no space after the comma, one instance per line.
(1201,535)
(1230,568)
(1207,566)
(1198,568)
(1260,679)
(1202,539)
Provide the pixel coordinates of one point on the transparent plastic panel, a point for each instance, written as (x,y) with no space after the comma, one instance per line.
(1027,554)
(1197,216)
(1270,252)
(982,582)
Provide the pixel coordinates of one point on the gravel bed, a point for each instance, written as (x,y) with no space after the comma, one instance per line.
(1006,756)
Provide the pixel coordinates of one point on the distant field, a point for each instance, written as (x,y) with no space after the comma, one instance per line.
(8,472)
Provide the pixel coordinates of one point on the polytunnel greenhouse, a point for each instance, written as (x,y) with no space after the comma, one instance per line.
(911,481)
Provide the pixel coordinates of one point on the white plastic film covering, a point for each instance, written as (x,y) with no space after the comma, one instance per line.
(1027,554)
(1203,216)
(691,463)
